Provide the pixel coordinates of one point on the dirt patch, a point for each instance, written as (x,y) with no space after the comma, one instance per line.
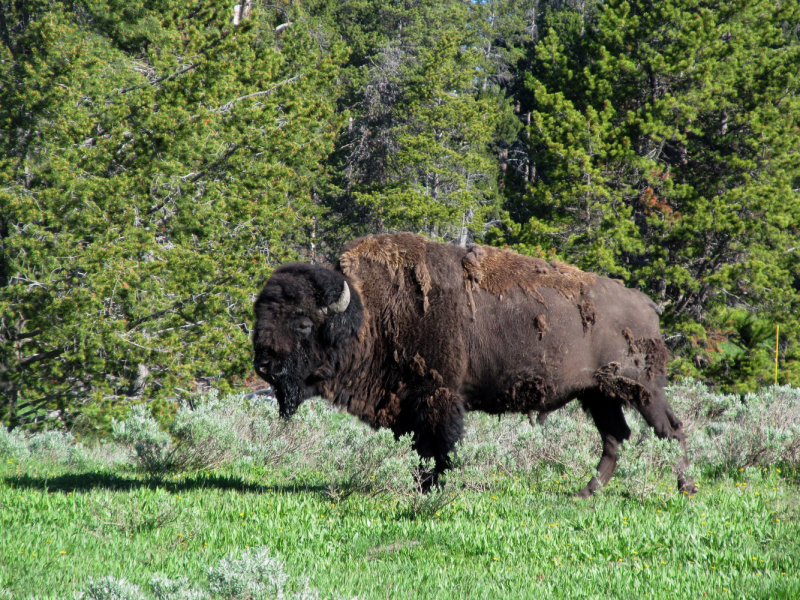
(540,324)
(630,392)
(588,314)
(655,353)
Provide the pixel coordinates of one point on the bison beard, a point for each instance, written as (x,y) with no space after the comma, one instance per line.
(409,334)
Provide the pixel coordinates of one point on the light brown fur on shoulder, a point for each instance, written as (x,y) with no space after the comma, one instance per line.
(396,252)
(498,270)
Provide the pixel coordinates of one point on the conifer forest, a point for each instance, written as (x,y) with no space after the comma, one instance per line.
(160,157)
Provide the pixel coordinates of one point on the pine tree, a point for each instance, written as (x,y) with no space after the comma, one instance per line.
(157,160)
(664,151)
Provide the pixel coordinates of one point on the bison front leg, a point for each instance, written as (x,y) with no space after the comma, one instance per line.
(610,421)
(438,426)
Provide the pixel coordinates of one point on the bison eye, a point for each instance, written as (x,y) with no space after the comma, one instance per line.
(304,327)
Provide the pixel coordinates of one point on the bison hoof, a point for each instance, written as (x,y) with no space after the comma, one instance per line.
(686,486)
(590,489)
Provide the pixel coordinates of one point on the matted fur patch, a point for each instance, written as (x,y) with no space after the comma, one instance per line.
(498,270)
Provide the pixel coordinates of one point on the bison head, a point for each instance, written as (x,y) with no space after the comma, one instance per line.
(305,317)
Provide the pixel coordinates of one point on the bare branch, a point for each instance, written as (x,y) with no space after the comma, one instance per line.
(29,360)
(228,105)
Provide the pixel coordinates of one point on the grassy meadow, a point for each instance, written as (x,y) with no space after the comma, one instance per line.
(275,517)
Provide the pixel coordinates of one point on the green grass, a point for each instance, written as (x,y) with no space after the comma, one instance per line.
(515,537)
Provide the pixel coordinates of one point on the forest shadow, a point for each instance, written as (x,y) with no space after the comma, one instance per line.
(84,482)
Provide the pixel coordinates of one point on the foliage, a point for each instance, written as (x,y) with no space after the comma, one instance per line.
(110,588)
(201,437)
(664,151)
(510,528)
(156,162)
(729,432)
(425,116)
(256,575)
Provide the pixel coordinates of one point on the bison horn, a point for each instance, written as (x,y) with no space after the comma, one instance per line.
(341,304)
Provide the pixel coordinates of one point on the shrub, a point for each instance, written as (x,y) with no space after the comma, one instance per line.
(53,446)
(358,460)
(164,588)
(644,459)
(204,436)
(726,431)
(254,576)
(12,444)
(152,447)
(567,441)
(110,588)
(293,443)
(209,434)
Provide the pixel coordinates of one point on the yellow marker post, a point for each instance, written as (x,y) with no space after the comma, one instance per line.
(776,353)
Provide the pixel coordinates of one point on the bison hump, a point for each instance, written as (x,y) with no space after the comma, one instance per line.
(497,270)
(396,252)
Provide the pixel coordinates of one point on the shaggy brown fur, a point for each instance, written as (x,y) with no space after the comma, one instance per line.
(397,253)
(498,270)
(434,330)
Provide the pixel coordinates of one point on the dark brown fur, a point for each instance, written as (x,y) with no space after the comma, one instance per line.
(434,330)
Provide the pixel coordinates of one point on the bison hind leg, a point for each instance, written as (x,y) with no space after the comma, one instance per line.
(659,415)
(610,421)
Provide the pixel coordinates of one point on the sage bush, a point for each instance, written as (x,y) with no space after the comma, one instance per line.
(724,432)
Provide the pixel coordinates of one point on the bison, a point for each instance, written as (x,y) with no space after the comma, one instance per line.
(410,334)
